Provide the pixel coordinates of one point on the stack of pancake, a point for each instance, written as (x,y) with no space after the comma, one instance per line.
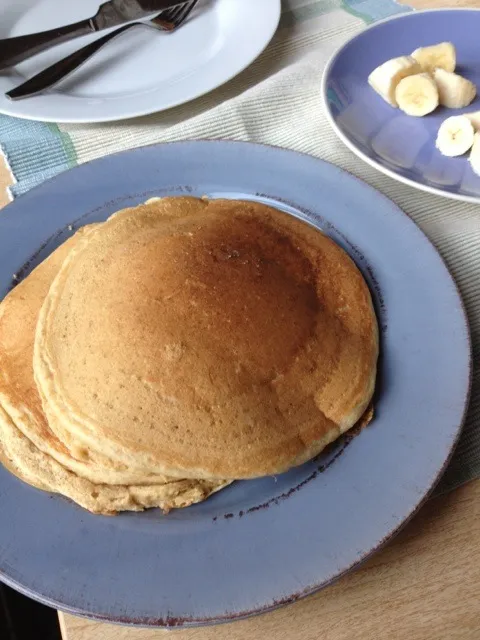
(182,344)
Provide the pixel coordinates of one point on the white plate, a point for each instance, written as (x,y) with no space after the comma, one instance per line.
(141,72)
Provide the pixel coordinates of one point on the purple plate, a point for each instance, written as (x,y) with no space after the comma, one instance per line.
(402,146)
(257,544)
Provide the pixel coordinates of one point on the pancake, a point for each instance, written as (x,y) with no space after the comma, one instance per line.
(18,393)
(28,447)
(20,456)
(206,339)
(10,464)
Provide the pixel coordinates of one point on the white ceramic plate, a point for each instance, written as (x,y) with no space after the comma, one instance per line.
(141,72)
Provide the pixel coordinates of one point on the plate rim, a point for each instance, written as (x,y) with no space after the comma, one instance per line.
(198,622)
(375,164)
(276,5)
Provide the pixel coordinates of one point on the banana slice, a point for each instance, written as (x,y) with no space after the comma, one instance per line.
(453,90)
(417,95)
(474,118)
(455,136)
(475,155)
(385,78)
(442,55)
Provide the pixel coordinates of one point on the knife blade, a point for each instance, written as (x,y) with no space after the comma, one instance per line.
(109,14)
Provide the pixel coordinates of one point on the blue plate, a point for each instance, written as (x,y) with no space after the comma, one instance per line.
(402,146)
(262,543)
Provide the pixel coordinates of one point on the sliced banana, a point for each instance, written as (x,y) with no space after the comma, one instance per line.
(385,78)
(417,95)
(442,55)
(453,90)
(475,155)
(455,136)
(474,118)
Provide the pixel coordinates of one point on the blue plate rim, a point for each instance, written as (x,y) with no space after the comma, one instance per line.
(193,622)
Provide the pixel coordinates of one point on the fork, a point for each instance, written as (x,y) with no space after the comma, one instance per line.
(168,21)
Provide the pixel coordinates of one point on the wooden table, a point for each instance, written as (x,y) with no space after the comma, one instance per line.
(424,586)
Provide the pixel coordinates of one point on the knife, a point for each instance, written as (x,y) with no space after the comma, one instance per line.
(109,14)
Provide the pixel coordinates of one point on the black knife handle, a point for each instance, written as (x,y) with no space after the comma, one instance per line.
(61,69)
(15,50)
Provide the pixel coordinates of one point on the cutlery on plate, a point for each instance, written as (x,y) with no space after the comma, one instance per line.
(109,14)
(168,20)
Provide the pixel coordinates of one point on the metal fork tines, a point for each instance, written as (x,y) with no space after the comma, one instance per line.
(174,18)
(167,21)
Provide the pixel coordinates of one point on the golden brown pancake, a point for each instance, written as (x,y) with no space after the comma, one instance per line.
(18,393)
(9,462)
(206,339)
(20,456)
(32,451)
